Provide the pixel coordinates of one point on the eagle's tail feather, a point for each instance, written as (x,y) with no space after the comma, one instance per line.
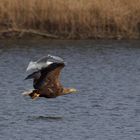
(26,93)
(32,93)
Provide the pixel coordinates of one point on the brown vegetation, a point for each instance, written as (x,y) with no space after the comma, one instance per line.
(73,18)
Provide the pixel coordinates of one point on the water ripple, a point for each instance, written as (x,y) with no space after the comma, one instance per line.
(106,74)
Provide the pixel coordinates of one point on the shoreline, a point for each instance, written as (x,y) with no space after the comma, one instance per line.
(33,34)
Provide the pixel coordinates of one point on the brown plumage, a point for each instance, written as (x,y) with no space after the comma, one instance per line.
(46,80)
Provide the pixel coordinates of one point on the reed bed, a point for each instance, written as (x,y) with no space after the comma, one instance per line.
(81,19)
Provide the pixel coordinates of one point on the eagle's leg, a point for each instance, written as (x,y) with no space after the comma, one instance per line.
(34,94)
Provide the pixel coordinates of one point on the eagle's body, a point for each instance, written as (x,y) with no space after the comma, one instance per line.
(46,81)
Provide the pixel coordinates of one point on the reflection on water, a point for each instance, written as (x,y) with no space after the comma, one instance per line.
(45,118)
(106,107)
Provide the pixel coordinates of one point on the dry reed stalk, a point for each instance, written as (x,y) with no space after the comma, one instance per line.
(73,19)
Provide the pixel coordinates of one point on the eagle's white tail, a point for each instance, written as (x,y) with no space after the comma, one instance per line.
(32,93)
(26,93)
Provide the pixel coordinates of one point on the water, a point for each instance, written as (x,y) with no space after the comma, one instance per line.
(106,107)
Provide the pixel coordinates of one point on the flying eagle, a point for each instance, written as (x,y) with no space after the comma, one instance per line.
(46,76)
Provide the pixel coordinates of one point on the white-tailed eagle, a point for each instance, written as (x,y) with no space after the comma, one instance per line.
(46,78)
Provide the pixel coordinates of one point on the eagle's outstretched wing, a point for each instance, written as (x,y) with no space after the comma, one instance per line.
(46,80)
(44,62)
(49,82)
(49,76)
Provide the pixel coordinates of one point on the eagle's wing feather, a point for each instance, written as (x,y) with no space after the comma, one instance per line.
(49,76)
(34,75)
(44,62)
(43,59)
(50,85)
(50,58)
(55,58)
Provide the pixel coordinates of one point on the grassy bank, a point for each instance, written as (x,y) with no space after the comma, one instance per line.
(72,19)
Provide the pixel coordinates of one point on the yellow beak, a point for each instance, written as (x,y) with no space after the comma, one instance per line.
(73,90)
